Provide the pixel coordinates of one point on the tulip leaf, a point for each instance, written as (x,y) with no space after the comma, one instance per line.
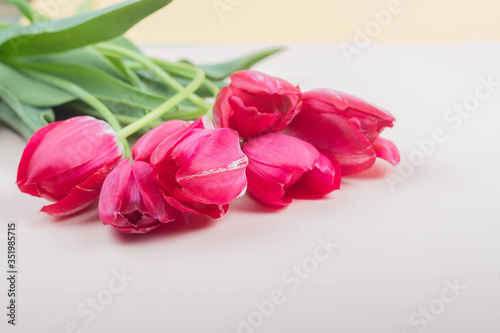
(34,118)
(87,56)
(203,91)
(12,120)
(76,32)
(13,102)
(131,76)
(101,85)
(30,91)
(207,89)
(125,43)
(218,72)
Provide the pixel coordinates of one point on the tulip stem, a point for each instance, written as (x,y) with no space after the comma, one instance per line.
(187,71)
(165,77)
(169,104)
(84,96)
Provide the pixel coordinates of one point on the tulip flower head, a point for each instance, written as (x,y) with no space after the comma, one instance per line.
(199,169)
(67,162)
(131,201)
(255,103)
(346,128)
(282,167)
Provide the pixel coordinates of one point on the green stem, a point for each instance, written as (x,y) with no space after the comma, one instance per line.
(135,80)
(186,71)
(124,119)
(169,104)
(84,96)
(165,77)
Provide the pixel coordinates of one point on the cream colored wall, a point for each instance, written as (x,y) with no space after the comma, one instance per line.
(210,21)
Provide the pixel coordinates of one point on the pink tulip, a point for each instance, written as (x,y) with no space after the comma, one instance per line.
(282,167)
(346,128)
(255,103)
(67,162)
(131,201)
(200,169)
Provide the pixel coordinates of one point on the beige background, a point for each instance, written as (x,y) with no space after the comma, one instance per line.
(189,21)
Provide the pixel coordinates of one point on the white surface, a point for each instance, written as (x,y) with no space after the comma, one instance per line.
(397,247)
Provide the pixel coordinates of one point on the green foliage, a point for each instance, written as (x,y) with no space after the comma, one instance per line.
(57,64)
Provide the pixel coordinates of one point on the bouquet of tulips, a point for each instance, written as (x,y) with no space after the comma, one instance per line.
(79,91)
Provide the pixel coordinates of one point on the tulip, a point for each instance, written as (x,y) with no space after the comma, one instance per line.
(67,162)
(255,103)
(345,128)
(200,169)
(131,201)
(282,167)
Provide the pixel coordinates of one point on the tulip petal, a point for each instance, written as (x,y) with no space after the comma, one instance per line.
(144,225)
(322,100)
(206,178)
(284,151)
(221,110)
(283,167)
(335,135)
(255,103)
(370,119)
(70,153)
(213,211)
(249,120)
(165,147)
(263,188)
(144,147)
(82,195)
(76,141)
(130,200)
(386,150)
(60,184)
(317,182)
(112,190)
(165,175)
(151,195)
(22,171)
(260,83)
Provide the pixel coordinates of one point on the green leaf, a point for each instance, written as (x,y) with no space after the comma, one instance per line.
(30,91)
(131,76)
(11,119)
(203,91)
(75,32)
(34,118)
(125,43)
(87,56)
(101,85)
(218,72)
(13,102)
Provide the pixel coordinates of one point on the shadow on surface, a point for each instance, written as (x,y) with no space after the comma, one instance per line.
(189,224)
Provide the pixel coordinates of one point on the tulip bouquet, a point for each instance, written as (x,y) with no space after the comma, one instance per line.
(262,136)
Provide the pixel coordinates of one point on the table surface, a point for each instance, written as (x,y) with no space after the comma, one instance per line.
(415,249)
